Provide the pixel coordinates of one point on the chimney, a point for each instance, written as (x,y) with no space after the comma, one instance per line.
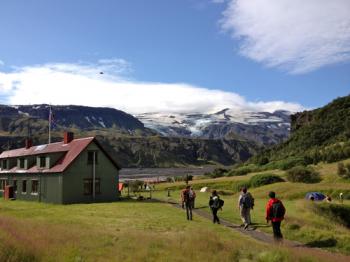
(28,143)
(68,137)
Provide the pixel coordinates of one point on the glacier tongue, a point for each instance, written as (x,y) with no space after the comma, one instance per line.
(220,124)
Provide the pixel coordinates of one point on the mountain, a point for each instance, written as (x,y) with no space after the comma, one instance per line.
(71,116)
(261,127)
(157,151)
(322,134)
(125,137)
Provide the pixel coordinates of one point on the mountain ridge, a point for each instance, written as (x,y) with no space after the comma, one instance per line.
(124,136)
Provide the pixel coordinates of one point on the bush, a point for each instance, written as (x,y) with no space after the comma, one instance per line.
(240,171)
(262,161)
(335,212)
(303,174)
(183,178)
(290,163)
(344,170)
(238,186)
(264,179)
(218,172)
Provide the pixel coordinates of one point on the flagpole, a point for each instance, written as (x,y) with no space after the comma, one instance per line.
(50,119)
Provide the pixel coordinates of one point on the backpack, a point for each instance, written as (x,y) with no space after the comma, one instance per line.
(221,203)
(278,210)
(216,203)
(247,201)
(185,196)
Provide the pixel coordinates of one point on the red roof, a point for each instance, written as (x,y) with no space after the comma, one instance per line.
(72,151)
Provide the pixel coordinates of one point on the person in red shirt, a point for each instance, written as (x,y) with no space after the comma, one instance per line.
(275,212)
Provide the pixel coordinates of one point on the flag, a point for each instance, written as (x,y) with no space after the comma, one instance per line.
(51,119)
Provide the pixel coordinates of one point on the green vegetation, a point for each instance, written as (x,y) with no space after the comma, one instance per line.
(319,135)
(324,227)
(335,212)
(344,170)
(218,172)
(241,171)
(123,231)
(303,174)
(264,179)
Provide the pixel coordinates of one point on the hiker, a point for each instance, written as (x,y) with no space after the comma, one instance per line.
(187,201)
(275,213)
(215,203)
(192,194)
(245,204)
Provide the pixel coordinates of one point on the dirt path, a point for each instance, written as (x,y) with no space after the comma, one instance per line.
(323,255)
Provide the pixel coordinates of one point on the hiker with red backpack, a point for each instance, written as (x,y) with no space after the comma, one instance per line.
(275,212)
(187,199)
(245,204)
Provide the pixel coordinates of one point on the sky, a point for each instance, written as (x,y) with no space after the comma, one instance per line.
(175,56)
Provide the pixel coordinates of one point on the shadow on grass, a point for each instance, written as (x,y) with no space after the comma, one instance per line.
(257,225)
(201,207)
(329,242)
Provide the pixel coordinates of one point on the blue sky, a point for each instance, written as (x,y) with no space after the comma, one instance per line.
(204,44)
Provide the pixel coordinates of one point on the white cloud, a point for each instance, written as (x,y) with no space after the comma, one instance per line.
(296,35)
(82,84)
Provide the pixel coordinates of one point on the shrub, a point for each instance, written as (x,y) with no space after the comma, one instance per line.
(264,179)
(238,186)
(218,172)
(303,174)
(335,212)
(240,171)
(344,170)
(183,178)
(290,163)
(262,161)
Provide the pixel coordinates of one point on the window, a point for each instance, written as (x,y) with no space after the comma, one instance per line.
(4,164)
(21,163)
(24,187)
(42,161)
(88,186)
(91,157)
(35,187)
(3,183)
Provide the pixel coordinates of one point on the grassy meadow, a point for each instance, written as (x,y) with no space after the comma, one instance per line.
(305,221)
(131,230)
(123,231)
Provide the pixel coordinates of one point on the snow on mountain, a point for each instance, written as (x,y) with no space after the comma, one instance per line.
(262,127)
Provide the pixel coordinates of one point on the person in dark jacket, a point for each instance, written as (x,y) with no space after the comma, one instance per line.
(214,204)
(275,212)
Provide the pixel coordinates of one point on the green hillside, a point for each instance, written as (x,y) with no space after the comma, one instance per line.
(318,135)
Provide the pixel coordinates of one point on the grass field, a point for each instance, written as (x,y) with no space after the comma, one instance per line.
(149,231)
(123,231)
(301,223)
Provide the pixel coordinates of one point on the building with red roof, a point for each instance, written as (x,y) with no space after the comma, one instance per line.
(71,171)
